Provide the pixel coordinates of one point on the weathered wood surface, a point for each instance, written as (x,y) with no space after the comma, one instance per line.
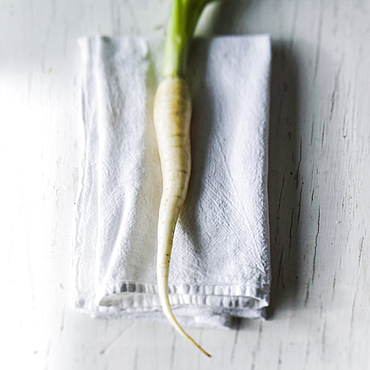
(318,187)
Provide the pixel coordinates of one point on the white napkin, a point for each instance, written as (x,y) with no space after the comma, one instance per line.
(220,265)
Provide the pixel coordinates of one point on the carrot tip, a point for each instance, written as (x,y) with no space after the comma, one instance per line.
(206,353)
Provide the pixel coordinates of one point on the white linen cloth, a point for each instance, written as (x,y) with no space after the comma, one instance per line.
(220,266)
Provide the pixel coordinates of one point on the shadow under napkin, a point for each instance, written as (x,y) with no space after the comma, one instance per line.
(284,194)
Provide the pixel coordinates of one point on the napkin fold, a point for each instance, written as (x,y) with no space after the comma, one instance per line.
(220,266)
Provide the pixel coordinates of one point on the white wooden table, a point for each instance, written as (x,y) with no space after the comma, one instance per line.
(318,189)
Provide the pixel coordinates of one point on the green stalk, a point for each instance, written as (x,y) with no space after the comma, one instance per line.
(184,18)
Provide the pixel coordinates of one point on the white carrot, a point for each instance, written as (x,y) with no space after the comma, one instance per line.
(172,115)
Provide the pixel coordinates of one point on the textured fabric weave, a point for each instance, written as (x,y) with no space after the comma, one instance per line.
(220,264)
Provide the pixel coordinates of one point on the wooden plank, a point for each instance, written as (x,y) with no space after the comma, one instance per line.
(319,203)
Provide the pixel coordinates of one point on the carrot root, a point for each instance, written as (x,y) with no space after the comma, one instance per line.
(172,115)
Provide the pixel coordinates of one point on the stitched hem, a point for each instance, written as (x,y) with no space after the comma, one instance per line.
(133,297)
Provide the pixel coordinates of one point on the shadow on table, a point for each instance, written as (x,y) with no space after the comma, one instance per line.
(284,184)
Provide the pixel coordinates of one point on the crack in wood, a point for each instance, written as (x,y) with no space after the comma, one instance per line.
(280,269)
(312,128)
(335,92)
(307,294)
(361,248)
(315,248)
(232,357)
(102,351)
(299,204)
(258,347)
(296,176)
(333,289)
(352,315)
(281,194)
(323,133)
(290,233)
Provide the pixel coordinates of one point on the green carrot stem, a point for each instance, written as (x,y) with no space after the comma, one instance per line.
(184,18)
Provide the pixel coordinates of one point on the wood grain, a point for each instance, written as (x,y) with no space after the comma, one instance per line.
(319,316)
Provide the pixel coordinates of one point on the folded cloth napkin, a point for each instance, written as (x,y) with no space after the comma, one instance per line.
(220,266)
